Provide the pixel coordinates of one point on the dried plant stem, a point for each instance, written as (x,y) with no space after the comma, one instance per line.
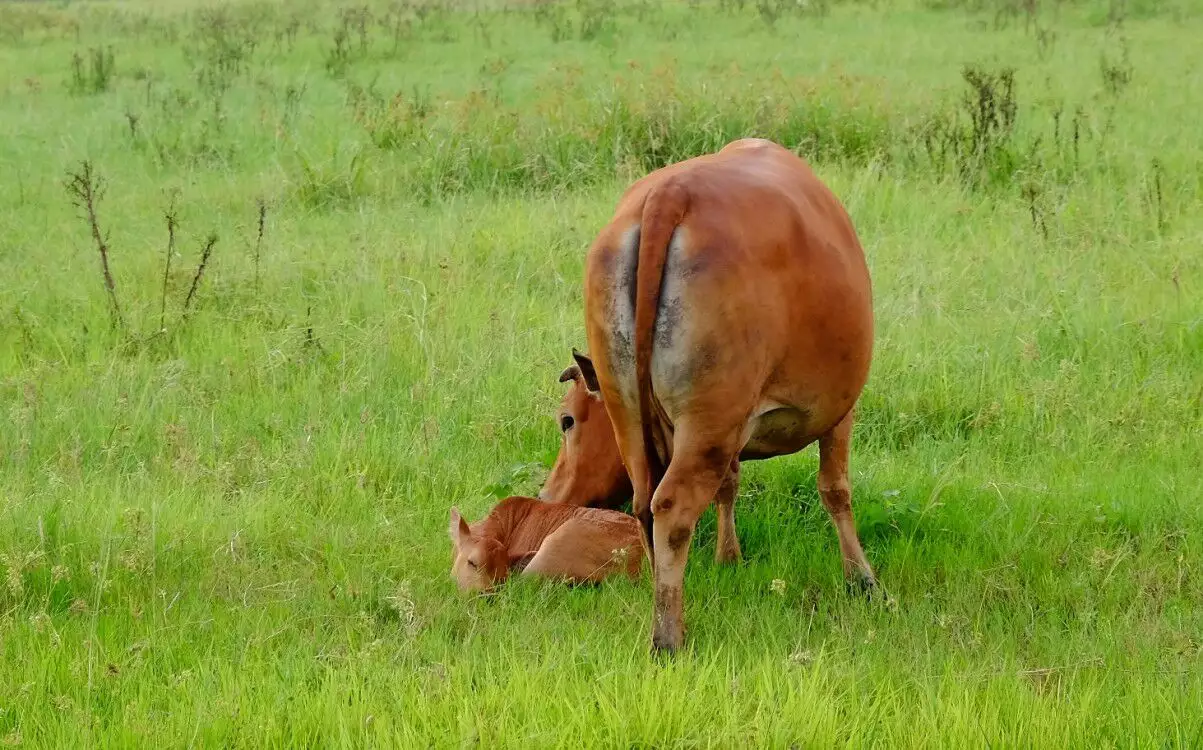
(86,189)
(200,271)
(310,339)
(259,241)
(170,216)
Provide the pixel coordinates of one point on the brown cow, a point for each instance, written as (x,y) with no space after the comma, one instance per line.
(588,470)
(729,314)
(553,540)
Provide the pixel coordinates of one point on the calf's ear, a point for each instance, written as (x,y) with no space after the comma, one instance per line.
(587,372)
(459,530)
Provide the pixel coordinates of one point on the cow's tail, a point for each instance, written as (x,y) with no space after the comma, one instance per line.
(663,211)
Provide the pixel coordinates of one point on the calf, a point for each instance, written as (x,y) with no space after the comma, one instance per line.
(729,315)
(553,540)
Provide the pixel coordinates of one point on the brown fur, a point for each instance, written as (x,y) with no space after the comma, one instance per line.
(752,332)
(588,470)
(581,545)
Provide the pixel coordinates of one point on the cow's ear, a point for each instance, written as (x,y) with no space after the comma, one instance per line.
(571,372)
(587,372)
(460,533)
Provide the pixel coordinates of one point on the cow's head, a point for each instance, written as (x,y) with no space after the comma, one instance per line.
(478,564)
(589,468)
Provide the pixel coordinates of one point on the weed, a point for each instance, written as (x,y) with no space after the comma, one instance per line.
(353,24)
(259,240)
(221,47)
(585,20)
(170,217)
(311,341)
(771,11)
(132,119)
(596,19)
(1032,193)
(1156,198)
(480,26)
(978,141)
(397,21)
(332,185)
(358,20)
(92,72)
(286,34)
(392,122)
(1117,12)
(86,189)
(553,15)
(188,126)
(206,252)
(1117,71)
(1046,39)
(339,56)
(991,107)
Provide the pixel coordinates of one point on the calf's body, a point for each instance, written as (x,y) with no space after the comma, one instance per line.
(552,540)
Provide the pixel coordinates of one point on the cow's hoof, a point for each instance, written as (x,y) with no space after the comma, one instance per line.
(727,556)
(663,654)
(666,642)
(861,583)
(866,585)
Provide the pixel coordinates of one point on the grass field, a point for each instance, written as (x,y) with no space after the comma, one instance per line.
(224,501)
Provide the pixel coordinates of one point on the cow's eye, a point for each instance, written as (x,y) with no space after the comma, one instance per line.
(566,423)
(472,564)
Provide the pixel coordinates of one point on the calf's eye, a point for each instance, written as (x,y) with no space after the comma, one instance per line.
(566,423)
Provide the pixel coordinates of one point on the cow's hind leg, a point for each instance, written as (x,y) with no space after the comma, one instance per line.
(727,549)
(836,491)
(689,486)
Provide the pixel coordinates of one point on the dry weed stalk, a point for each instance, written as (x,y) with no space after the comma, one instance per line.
(170,216)
(86,189)
(259,240)
(200,270)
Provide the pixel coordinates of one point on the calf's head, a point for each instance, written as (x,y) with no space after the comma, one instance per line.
(478,563)
(589,468)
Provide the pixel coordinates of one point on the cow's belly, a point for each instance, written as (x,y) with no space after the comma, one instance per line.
(777,431)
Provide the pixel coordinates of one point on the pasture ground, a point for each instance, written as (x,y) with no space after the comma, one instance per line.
(223,519)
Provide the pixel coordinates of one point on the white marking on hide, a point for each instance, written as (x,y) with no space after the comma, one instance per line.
(672,349)
(622,313)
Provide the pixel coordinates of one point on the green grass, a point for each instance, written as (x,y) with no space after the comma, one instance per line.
(231,529)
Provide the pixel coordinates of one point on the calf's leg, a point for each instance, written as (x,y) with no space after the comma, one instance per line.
(579,553)
(835,448)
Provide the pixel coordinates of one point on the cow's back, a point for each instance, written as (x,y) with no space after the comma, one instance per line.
(765,289)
